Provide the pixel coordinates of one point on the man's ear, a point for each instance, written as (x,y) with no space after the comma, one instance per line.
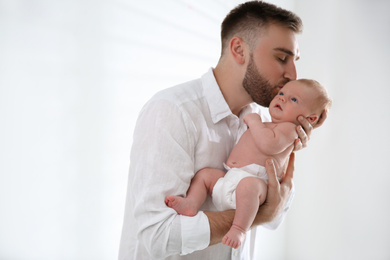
(237,49)
(312,118)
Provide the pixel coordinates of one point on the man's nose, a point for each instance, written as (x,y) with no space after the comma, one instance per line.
(291,71)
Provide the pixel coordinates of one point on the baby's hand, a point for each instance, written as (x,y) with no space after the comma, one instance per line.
(251,117)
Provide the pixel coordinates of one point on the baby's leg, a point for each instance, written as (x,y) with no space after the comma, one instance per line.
(234,237)
(182,205)
(202,183)
(250,194)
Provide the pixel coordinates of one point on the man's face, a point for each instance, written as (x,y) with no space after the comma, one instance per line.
(272,64)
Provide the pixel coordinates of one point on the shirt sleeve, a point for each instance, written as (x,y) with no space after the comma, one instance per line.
(162,164)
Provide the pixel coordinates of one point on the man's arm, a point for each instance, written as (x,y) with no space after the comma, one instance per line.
(162,164)
(220,223)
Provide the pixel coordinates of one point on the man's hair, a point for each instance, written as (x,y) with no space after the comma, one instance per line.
(248,19)
(323,102)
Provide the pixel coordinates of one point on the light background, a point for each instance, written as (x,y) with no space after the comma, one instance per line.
(74,75)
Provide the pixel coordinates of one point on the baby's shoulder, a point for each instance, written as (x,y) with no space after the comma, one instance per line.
(280,125)
(287,128)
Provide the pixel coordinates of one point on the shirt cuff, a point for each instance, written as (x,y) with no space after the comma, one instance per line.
(195,233)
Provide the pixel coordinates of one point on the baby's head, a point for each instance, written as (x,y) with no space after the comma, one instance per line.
(300,97)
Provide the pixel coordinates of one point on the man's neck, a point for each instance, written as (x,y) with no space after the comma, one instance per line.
(230,85)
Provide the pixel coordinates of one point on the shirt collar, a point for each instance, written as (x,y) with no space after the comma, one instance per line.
(219,109)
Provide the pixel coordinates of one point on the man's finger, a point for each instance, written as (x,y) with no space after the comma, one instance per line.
(297,145)
(307,128)
(271,171)
(290,166)
(322,118)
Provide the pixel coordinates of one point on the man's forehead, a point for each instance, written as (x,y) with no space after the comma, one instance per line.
(282,39)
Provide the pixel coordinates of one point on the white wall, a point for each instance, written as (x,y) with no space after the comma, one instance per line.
(341,210)
(74,74)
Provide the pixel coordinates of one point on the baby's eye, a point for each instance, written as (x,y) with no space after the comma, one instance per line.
(294,99)
(281,93)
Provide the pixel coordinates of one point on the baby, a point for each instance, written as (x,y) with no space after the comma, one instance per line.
(244,186)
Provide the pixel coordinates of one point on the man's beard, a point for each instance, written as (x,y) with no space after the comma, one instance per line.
(259,88)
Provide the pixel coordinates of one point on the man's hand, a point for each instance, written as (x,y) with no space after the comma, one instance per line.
(304,130)
(322,118)
(277,193)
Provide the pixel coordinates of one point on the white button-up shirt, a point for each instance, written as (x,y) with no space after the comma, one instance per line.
(179,131)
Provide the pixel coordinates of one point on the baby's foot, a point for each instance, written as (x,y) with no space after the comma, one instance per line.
(181,205)
(234,237)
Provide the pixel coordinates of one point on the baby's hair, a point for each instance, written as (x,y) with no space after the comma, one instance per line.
(323,101)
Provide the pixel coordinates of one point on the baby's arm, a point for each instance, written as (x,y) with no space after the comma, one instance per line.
(271,138)
(253,119)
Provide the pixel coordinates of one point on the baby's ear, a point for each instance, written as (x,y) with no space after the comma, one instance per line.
(312,118)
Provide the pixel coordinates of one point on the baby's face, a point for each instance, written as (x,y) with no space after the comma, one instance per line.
(293,100)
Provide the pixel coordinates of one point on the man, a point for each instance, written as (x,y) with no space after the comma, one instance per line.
(195,125)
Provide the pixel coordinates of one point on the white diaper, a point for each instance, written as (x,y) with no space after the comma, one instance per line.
(224,192)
